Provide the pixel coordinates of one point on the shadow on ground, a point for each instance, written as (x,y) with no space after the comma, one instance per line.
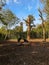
(24,55)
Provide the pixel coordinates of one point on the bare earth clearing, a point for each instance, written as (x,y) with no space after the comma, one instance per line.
(37,53)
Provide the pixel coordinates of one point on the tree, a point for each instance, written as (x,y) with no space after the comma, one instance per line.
(47,28)
(21,26)
(2,3)
(29,22)
(46,7)
(39,31)
(43,26)
(7,17)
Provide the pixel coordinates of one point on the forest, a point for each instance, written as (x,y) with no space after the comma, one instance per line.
(9,19)
(14,18)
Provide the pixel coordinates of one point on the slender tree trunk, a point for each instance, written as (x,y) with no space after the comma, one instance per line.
(5,36)
(44,32)
(28,32)
(6,33)
(48,34)
(44,35)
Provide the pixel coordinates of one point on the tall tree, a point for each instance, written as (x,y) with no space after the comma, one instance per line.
(29,22)
(43,26)
(46,7)
(7,17)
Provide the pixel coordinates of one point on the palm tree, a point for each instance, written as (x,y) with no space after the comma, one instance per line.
(29,22)
(43,26)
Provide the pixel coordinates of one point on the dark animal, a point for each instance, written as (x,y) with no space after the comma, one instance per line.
(19,39)
(25,40)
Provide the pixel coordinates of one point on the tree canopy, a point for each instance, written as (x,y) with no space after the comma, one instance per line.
(7,17)
(46,7)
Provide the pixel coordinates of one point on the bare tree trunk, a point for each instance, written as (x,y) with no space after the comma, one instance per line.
(48,34)
(5,36)
(28,32)
(44,32)
(44,35)
(43,26)
(6,33)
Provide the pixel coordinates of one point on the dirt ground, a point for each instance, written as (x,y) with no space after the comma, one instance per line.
(31,40)
(36,53)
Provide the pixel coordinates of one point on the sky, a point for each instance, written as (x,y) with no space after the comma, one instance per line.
(22,8)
